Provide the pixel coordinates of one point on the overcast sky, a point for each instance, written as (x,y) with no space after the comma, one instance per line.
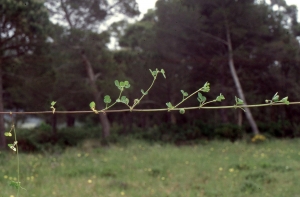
(289,2)
(144,5)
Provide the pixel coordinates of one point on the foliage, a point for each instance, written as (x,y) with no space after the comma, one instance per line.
(258,138)
(24,30)
(41,139)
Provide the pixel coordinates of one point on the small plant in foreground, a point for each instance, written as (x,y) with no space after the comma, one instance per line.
(14,147)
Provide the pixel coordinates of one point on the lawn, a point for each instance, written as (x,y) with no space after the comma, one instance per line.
(137,169)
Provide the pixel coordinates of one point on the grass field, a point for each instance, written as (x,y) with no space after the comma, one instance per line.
(212,169)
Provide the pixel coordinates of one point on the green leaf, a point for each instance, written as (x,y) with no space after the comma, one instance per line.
(107,99)
(206,87)
(239,101)
(117,83)
(12,146)
(163,73)
(144,93)
(275,97)
(169,105)
(126,101)
(126,83)
(123,98)
(184,93)
(15,184)
(122,84)
(220,98)
(151,72)
(92,105)
(8,134)
(53,103)
(201,98)
(182,111)
(285,100)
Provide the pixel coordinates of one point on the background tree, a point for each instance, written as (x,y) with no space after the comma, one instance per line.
(86,17)
(194,35)
(23,26)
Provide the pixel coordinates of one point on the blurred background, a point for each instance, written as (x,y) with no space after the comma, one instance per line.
(71,52)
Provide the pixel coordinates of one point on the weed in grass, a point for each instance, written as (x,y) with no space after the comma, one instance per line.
(249,187)
(119,184)
(260,177)
(108,173)
(241,166)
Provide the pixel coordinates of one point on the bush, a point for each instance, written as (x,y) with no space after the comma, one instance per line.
(42,139)
(229,131)
(171,133)
(279,129)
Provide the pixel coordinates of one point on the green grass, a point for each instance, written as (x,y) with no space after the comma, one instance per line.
(212,169)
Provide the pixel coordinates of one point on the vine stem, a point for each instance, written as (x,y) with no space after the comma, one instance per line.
(187,98)
(18,161)
(131,108)
(201,106)
(113,103)
(152,110)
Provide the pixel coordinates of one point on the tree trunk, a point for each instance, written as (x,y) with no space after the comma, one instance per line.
(239,118)
(97,96)
(173,119)
(125,123)
(70,119)
(2,128)
(237,81)
(224,116)
(54,124)
(54,128)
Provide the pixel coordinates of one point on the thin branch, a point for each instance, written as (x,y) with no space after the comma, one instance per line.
(67,14)
(214,37)
(152,110)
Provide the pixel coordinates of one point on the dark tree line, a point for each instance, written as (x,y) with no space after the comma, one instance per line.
(243,48)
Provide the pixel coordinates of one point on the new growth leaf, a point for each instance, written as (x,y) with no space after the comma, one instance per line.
(238,101)
(52,106)
(275,99)
(220,98)
(93,107)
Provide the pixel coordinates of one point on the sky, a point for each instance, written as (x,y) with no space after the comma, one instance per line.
(144,5)
(290,2)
